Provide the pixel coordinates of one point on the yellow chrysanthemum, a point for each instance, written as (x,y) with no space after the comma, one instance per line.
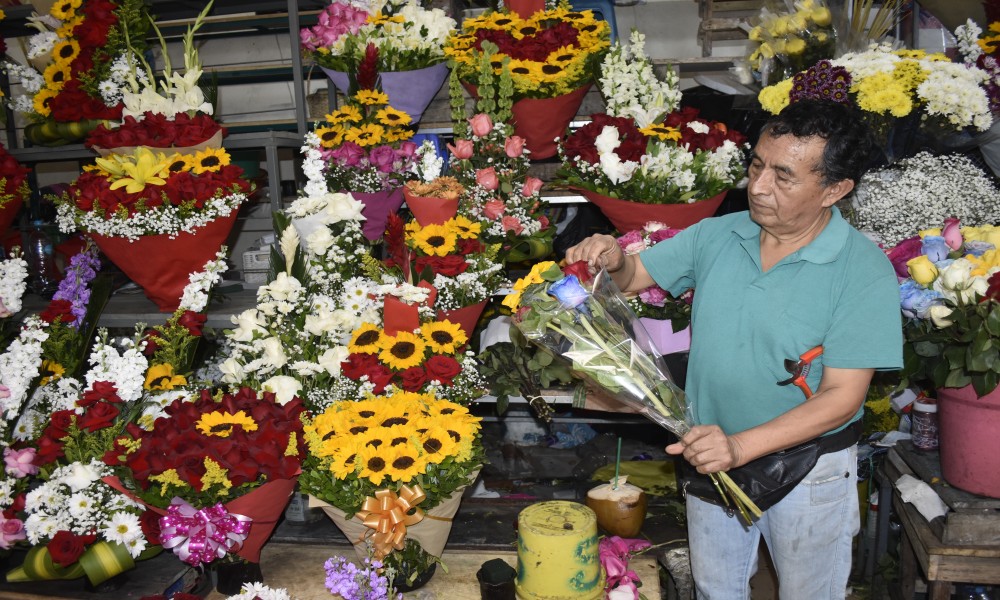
(347,114)
(330,137)
(881,94)
(661,132)
(465,228)
(390,117)
(372,464)
(402,351)
(435,240)
(65,9)
(774,98)
(221,423)
(909,74)
(404,463)
(443,337)
(162,377)
(64,51)
(210,160)
(366,339)
(371,98)
(50,371)
(369,134)
(437,444)
(143,168)
(41,101)
(215,475)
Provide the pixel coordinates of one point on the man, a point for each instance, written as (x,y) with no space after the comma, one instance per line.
(771,284)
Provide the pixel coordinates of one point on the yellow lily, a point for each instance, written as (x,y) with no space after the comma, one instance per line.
(147,169)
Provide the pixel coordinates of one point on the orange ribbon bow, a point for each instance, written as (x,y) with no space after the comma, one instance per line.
(387,515)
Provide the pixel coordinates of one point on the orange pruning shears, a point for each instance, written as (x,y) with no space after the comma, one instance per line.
(800,368)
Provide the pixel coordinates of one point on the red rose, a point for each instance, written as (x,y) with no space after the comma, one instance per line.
(381,376)
(58,310)
(98,416)
(150,523)
(580,269)
(101,390)
(49,450)
(193,322)
(442,368)
(470,246)
(358,365)
(59,423)
(993,291)
(449,266)
(413,379)
(66,548)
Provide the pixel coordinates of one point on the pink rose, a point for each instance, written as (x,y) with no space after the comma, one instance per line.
(662,234)
(543,221)
(493,209)
(952,233)
(462,149)
(532,185)
(488,178)
(383,158)
(11,530)
(481,125)
(513,146)
(654,295)
(348,154)
(631,240)
(18,462)
(512,224)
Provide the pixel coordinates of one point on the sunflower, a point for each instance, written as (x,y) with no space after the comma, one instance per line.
(402,351)
(564,55)
(349,114)
(447,410)
(443,337)
(525,29)
(464,228)
(661,132)
(371,98)
(435,240)
(65,30)
(405,463)
(525,70)
(344,461)
(373,464)
(65,9)
(50,371)
(221,423)
(179,163)
(437,444)
(42,99)
(397,134)
(374,438)
(392,416)
(210,160)
(368,134)
(162,377)
(366,339)
(330,137)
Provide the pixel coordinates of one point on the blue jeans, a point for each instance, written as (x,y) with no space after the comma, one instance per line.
(808,534)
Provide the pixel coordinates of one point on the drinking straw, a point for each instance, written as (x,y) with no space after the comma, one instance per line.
(618,462)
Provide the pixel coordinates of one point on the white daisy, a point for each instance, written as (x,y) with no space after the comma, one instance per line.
(122,528)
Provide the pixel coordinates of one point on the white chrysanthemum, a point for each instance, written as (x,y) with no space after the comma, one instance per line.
(122,528)
(259,591)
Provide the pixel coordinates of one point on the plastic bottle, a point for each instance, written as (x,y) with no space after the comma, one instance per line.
(40,255)
(924,425)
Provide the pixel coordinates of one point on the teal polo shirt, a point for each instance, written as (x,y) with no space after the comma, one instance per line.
(839,291)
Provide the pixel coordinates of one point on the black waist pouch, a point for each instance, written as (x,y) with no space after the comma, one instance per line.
(770,478)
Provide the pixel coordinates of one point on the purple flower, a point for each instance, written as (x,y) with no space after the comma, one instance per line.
(915,300)
(822,81)
(383,158)
(904,251)
(345,579)
(654,295)
(82,269)
(935,247)
(569,292)
(348,154)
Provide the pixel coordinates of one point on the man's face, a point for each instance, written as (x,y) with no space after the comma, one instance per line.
(786,193)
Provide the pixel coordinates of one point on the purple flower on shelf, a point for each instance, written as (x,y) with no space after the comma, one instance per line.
(350,582)
(569,292)
(821,81)
(75,286)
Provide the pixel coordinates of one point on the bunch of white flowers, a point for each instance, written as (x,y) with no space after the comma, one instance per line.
(474,285)
(127,369)
(19,366)
(630,86)
(259,591)
(967,36)
(60,394)
(200,283)
(921,192)
(75,499)
(13,282)
(167,219)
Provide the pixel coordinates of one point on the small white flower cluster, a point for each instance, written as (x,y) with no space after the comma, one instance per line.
(259,591)
(195,296)
(921,192)
(167,219)
(631,88)
(313,167)
(126,369)
(123,69)
(13,282)
(472,286)
(968,41)
(60,394)
(18,368)
(75,499)
(31,82)
(41,44)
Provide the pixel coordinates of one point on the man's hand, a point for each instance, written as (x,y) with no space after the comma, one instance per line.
(708,449)
(598,250)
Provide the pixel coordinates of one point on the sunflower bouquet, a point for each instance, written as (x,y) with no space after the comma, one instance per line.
(405,451)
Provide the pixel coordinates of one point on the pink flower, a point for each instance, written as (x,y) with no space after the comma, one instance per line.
(348,154)
(481,125)
(654,295)
(383,158)
(406,150)
(662,234)
(904,251)
(512,224)
(532,185)
(462,149)
(11,530)
(952,233)
(18,462)
(513,146)
(543,221)
(488,178)
(4,313)
(493,209)
(4,391)
(632,240)
(614,553)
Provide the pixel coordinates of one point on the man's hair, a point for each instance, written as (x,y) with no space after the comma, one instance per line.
(849,142)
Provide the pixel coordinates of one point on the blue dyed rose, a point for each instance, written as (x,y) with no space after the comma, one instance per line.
(935,248)
(915,300)
(569,292)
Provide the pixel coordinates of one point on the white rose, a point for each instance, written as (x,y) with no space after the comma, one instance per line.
(247,324)
(331,359)
(955,277)
(320,322)
(320,241)
(232,371)
(284,388)
(284,287)
(608,140)
(274,353)
(939,315)
(81,476)
(343,207)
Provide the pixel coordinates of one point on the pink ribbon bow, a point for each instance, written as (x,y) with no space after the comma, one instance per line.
(201,536)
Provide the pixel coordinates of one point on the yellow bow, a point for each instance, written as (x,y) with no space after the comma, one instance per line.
(386,514)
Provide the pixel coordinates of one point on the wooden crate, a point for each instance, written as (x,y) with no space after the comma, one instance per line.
(722,20)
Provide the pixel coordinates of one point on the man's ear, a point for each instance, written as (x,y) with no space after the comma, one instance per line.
(834,192)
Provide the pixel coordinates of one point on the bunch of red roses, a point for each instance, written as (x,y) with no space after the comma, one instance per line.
(101,406)
(440,367)
(156,130)
(581,144)
(13,175)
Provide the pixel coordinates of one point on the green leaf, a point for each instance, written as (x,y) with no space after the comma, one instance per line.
(956,379)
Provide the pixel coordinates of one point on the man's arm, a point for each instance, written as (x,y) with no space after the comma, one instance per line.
(628,272)
(841,393)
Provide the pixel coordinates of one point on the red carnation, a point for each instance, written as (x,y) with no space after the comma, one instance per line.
(100,390)
(58,310)
(449,266)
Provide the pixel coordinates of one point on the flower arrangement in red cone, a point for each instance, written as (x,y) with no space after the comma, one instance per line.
(242,449)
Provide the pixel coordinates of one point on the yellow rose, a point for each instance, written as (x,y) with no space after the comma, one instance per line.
(922,270)
(821,16)
(987,233)
(756,34)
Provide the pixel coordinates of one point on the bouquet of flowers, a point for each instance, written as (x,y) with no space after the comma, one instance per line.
(921,192)
(983,51)
(407,35)
(370,457)
(630,86)
(76,58)
(552,53)
(909,88)
(950,294)
(218,471)
(654,302)
(594,328)
(788,38)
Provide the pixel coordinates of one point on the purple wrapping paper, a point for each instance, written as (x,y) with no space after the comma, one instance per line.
(408,91)
(377,207)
